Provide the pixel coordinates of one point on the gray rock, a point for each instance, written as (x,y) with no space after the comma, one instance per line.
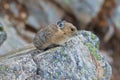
(41,13)
(84,10)
(116,17)
(77,59)
(13,41)
(19,68)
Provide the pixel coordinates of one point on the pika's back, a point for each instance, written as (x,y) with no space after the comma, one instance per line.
(54,34)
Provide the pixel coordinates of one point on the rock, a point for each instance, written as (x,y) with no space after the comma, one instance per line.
(13,40)
(116,19)
(20,69)
(44,12)
(77,59)
(84,10)
(3,35)
(41,12)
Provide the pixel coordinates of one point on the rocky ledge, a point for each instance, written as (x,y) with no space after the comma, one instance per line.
(77,59)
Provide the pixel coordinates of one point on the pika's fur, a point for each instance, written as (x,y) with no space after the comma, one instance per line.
(54,35)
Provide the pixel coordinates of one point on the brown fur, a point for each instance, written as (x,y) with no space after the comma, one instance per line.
(53,35)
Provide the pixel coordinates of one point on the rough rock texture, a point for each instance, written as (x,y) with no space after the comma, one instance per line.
(77,59)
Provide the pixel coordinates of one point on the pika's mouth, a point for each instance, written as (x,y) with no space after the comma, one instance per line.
(75,33)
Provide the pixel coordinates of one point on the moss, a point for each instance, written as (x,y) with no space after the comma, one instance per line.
(92,43)
(65,55)
(85,34)
(2,68)
(61,50)
(97,45)
(98,57)
(93,51)
(81,71)
(51,75)
(95,78)
(93,37)
(56,60)
(56,74)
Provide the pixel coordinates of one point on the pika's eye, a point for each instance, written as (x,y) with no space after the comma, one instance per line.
(60,24)
(72,29)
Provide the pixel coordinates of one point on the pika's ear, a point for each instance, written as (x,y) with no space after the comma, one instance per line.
(60,24)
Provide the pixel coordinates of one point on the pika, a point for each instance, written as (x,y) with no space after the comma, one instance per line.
(51,36)
(54,35)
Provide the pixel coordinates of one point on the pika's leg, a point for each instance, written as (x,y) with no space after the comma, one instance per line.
(52,46)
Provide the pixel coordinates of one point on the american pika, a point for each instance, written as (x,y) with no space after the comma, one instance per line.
(54,35)
(48,37)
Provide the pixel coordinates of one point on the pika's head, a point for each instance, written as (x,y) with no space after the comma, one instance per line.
(66,27)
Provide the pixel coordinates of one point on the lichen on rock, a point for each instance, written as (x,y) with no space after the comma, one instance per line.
(77,59)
